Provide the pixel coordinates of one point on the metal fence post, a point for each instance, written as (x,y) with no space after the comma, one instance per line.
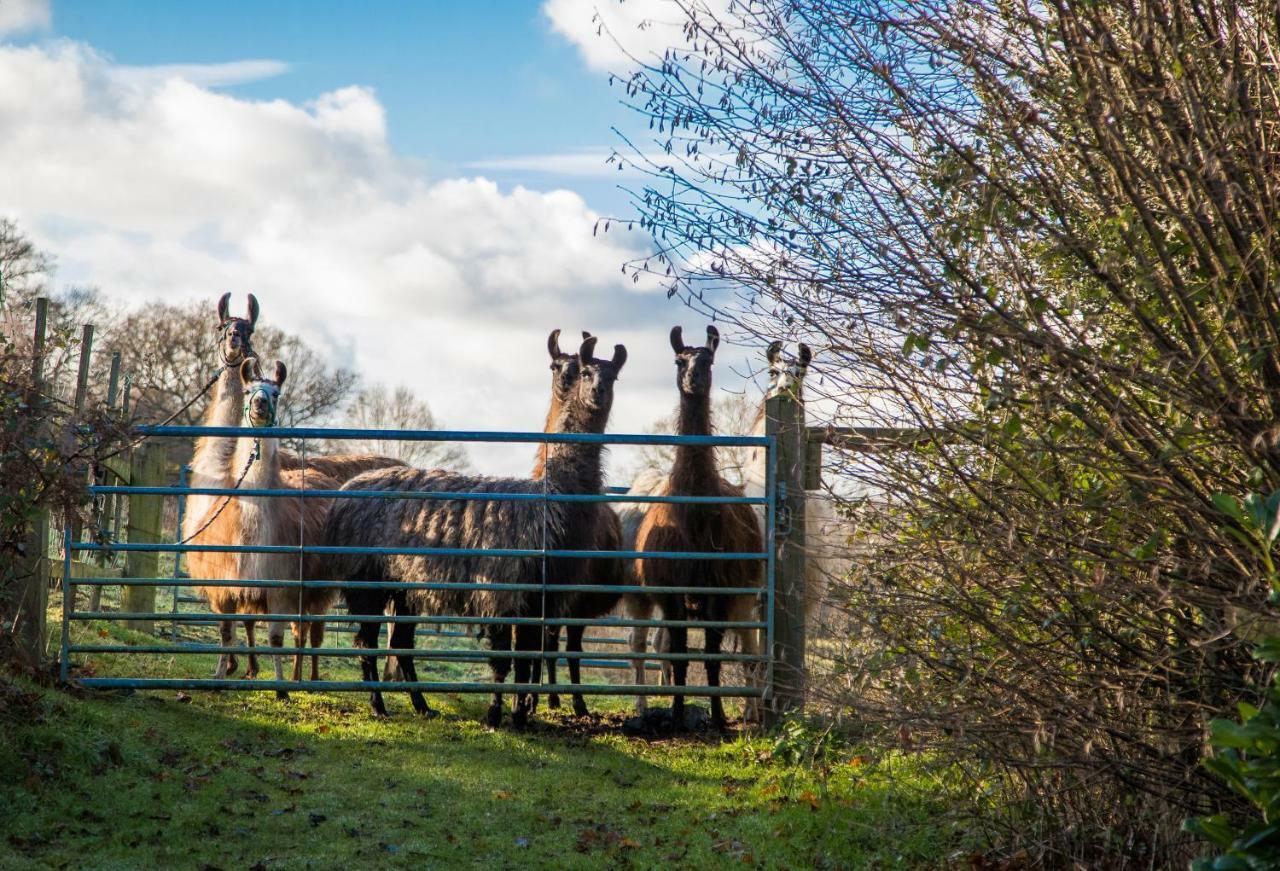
(784,420)
(146,515)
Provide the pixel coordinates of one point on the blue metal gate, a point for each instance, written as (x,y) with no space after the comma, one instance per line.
(80,639)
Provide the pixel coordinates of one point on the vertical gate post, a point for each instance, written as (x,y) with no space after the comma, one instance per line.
(785,421)
(146,514)
(32,599)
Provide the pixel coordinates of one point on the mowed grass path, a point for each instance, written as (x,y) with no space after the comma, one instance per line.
(239,780)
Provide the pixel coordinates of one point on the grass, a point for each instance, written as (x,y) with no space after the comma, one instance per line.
(236,780)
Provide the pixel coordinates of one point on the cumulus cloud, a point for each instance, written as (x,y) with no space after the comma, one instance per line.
(613,35)
(205,75)
(152,184)
(21,16)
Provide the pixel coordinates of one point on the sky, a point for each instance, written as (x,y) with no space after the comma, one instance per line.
(413,188)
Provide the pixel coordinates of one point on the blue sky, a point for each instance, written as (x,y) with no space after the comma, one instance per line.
(462,82)
(411,187)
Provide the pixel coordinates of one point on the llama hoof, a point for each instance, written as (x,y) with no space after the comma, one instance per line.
(493,717)
(553,702)
(520,719)
(251,674)
(282,696)
(232,665)
(579,707)
(428,713)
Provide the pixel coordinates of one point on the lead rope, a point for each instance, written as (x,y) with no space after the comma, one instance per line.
(257,450)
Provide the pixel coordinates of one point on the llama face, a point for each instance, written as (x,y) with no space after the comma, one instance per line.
(787,370)
(597,377)
(565,368)
(235,334)
(261,395)
(693,363)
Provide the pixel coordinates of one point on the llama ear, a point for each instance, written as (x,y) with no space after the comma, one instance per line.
(253,310)
(246,369)
(619,357)
(588,349)
(553,343)
(774,349)
(223,312)
(586,334)
(677,339)
(805,354)
(713,339)
(281,372)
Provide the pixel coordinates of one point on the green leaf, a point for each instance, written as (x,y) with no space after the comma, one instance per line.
(1229,505)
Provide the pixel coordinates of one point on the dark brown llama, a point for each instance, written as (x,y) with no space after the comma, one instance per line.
(481,524)
(565,371)
(704,528)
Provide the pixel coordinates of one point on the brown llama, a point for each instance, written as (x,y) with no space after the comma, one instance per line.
(565,371)
(704,528)
(525,525)
(268,520)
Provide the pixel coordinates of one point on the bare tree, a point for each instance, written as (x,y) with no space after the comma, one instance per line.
(376,407)
(1044,231)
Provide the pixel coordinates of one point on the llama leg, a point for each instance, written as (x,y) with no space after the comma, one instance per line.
(573,644)
(553,645)
(678,642)
(275,636)
(226,661)
(714,638)
(662,641)
(317,640)
(527,639)
(402,639)
(250,637)
(299,645)
(637,608)
(752,675)
(367,639)
(391,669)
(499,640)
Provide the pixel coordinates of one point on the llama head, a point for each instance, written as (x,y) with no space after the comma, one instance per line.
(787,370)
(565,368)
(693,362)
(235,334)
(596,378)
(261,394)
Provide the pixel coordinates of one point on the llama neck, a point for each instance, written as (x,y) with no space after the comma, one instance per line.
(264,471)
(552,421)
(576,468)
(211,461)
(695,465)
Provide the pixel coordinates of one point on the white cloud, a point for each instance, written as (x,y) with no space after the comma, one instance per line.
(586,163)
(205,75)
(21,16)
(155,186)
(612,34)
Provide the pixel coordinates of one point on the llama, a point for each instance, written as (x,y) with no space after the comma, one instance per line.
(826,555)
(533,525)
(265,520)
(826,558)
(565,371)
(684,527)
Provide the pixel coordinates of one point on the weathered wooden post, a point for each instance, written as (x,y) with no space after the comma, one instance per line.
(81,395)
(32,581)
(102,509)
(146,514)
(784,419)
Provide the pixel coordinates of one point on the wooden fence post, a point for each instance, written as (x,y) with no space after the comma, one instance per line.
(784,419)
(146,514)
(102,510)
(32,582)
(81,395)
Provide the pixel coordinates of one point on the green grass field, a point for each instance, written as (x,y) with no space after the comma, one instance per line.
(94,779)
